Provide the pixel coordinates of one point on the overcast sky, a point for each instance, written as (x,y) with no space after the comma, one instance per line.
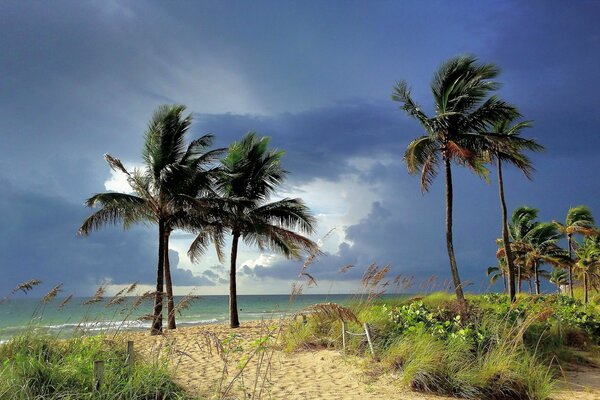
(80,79)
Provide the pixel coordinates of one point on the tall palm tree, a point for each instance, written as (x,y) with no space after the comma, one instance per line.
(172,176)
(463,108)
(579,221)
(505,145)
(250,174)
(588,263)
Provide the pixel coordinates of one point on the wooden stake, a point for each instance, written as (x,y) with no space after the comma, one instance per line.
(369,339)
(130,356)
(98,374)
(344,337)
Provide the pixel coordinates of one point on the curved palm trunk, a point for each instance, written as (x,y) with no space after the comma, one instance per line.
(157,318)
(234,320)
(536,278)
(507,250)
(168,283)
(453,267)
(569,239)
(585,288)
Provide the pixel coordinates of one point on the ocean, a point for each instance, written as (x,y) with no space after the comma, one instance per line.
(19,314)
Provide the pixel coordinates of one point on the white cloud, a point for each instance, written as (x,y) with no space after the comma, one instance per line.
(118,180)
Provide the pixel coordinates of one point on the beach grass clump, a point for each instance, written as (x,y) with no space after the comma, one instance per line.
(34,366)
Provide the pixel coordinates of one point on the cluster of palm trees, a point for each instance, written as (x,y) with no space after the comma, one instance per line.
(210,193)
(471,127)
(535,243)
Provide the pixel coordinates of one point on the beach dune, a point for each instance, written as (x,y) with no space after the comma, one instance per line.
(202,369)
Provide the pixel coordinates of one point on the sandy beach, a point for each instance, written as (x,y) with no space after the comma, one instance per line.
(201,368)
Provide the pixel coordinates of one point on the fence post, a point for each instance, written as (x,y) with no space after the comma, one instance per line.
(344,337)
(369,339)
(98,374)
(129,360)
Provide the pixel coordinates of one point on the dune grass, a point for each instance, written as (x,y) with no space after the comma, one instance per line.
(43,367)
(491,350)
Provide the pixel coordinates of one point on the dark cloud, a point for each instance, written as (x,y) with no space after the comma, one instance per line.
(82,78)
(39,241)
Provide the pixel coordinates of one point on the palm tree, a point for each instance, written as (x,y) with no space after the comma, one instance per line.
(522,222)
(250,174)
(462,109)
(173,175)
(505,145)
(588,262)
(559,277)
(496,272)
(579,221)
(534,243)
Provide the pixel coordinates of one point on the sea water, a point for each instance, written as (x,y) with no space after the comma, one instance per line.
(17,315)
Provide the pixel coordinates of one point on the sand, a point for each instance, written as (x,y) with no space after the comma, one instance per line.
(314,374)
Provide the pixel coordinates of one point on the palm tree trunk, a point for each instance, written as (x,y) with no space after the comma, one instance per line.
(234,320)
(507,250)
(157,318)
(536,277)
(169,284)
(519,278)
(569,238)
(504,282)
(585,288)
(453,267)
(530,286)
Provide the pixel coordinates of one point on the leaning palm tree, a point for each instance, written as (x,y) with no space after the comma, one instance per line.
(173,175)
(505,145)
(579,221)
(463,108)
(249,175)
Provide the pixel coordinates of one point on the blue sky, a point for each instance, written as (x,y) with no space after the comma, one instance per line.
(80,79)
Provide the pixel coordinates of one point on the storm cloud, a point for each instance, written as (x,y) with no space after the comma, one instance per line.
(80,79)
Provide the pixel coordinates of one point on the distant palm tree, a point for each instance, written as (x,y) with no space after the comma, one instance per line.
(559,277)
(496,272)
(505,145)
(588,263)
(250,174)
(173,175)
(463,109)
(522,222)
(579,221)
(534,243)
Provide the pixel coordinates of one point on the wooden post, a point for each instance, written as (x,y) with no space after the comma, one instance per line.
(369,339)
(130,357)
(343,337)
(98,374)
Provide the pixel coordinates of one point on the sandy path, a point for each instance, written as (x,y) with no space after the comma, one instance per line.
(322,374)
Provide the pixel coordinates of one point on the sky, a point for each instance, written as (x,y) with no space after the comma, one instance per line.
(80,79)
